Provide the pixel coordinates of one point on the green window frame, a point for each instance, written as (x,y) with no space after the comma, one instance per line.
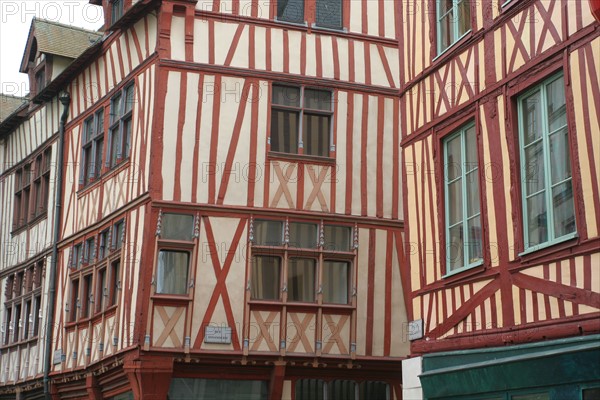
(462,201)
(453,21)
(546,176)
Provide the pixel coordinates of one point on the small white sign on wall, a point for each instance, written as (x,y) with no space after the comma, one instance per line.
(217,334)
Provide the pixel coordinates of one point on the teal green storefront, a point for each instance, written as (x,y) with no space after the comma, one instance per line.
(565,369)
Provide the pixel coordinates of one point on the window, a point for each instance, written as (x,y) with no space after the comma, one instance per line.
(290,11)
(266,273)
(74,303)
(93,145)
(121,106)
(336,281)
(40,80)
(77,256)
(328,13)
(301,279)
(22,304)
(172,272)
(453,21)
(190,388)
(463,215)
(301,120)
(116,10)
(103,245)
(174,254)
(547,192)
(89,254)
(32,183)
(300,253)
(310,389)
(95,278)
(117,236)
(590,394)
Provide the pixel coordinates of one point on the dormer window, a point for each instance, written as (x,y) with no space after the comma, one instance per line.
(40,80)
(116,11)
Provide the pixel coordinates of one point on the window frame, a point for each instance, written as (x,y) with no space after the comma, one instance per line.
(31,189)
(90,299)
(22,305)
(176,245)
(320,254)
(552,239)
(120,117)
(301,110)
(92,168)
(456,36)
(119,6)
(461,132)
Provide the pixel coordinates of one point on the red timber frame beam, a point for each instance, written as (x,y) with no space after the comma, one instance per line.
(148,375)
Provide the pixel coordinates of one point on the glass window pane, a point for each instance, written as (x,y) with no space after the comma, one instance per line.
(444,6)
(591,394)
(310,389)
(284,131)
(446,31)
(177,227)
(531,112)
(268,233)
(129,98)
(373,390)
(315,134)
(301,279)
(472,180)
(188,389)
(114,147)
(115,109)
(537,223)
(303,235)
(474,244)
(286,96)
(337,238)
(557,108)
(455,248)
(98,158)
(455,206)
(172,272)
(329,13)
(564,213)
(290,10)
(317,99)
(534,168)
(342,390)
(453,158)
(471,149)
(464,17)
(336,282)
(265,282)
(537,396)
(560,162)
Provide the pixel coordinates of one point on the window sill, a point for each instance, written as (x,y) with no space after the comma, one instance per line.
(20,342)
(291,23)
(535,249)
(277,156)
(450,49)
(301,304)
(108,174)
(316,27)
(171,297)
(469,267)
(30,223)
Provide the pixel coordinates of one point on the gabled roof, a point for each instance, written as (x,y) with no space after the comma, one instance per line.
(58,39)
(9,104)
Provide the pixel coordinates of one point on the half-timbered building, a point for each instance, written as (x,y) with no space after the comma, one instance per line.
(231,208)
(501,164)
(29,145)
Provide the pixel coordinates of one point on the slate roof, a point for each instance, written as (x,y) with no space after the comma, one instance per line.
(60,39)
(9,104)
